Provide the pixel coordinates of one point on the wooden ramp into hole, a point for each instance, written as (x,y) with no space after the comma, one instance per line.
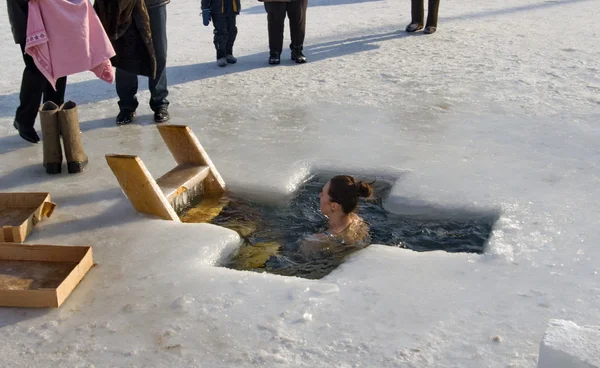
(194,175)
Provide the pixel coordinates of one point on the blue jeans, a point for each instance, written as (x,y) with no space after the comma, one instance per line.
(127,83)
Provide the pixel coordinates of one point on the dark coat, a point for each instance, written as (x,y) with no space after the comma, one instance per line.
(218,6)
(17,16)
(156,3)
(128,27)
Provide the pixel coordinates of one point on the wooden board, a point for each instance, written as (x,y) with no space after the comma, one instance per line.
(181,179)
(20,212)
(41,275)
(140,187)
(186,149)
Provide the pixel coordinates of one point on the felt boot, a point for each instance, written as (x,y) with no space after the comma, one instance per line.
(51,138)
(68,120)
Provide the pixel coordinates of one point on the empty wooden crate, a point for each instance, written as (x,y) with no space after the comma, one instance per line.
(41,275)
(20,212)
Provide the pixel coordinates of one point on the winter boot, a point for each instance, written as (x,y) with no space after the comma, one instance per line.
(222,62)
(68,121)
(297,55)
(274,58)
(51,138)
(413,27)
(231,59)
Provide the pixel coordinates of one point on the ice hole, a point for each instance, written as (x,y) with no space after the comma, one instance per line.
(272,232)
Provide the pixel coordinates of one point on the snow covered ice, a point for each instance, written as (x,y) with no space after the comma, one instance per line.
(567,345)
(497,111)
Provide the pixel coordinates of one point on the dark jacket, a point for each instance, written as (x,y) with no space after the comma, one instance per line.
(218,6)
(127,25)
(155,3)
(17,16)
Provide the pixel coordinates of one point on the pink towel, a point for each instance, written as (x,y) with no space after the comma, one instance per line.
(65,37)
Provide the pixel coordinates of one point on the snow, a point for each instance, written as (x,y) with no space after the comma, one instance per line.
(495,114)
(567,345)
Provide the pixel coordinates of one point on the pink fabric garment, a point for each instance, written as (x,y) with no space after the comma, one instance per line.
(66,37)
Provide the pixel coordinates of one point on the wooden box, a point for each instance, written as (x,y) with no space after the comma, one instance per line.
(20,212)
(41,275)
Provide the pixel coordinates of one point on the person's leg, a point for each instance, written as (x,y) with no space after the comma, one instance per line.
(33,83)
(57,96)
(296,11)
(417,13)
(232,32)
(432,16)
(127,86)
(221,34)
(275,20)
(158,85)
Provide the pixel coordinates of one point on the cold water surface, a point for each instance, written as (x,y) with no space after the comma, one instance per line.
(272,233)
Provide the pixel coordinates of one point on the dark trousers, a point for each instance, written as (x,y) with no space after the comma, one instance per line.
(127,83)
(418,12)
(225,31)
(296,12)
(34,86)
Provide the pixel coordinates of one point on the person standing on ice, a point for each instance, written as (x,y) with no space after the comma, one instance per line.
(418,13)
(127,79)
(296,12)
(223,14)
(34,85)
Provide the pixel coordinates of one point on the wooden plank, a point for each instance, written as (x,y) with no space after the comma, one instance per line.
(186,149)
(40,252)
(181,179)
(140,188)
(76,275)
(29,298)
(20,200)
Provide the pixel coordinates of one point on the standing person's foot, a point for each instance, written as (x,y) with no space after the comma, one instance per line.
(298,56)
(28,134)
(222,62)
(125,117)
(429,30)
(413,27)
(161,115)
(231,59)
(274,58)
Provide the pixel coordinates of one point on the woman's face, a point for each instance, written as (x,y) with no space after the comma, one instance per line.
(325,204)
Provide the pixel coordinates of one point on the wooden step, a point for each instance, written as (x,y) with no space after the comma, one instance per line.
(194,175)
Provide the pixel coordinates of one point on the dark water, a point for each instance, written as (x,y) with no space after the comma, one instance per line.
(287,224)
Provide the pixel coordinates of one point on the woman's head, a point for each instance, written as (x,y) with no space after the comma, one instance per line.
(341,193)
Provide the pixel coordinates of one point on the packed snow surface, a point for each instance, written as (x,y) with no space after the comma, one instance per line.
(495,114)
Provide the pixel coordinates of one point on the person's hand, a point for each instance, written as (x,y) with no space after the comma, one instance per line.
(206,16)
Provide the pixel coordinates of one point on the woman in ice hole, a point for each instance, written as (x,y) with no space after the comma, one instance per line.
(345,230)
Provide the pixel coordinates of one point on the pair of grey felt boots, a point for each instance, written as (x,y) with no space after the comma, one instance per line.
(56,122)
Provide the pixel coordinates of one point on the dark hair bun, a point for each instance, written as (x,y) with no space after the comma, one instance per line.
(364,189)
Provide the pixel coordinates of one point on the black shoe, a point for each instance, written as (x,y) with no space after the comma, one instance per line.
(161,115)
(28,134)
(413,27)
(298,56)
(125,117)
(429,30)
(274,58)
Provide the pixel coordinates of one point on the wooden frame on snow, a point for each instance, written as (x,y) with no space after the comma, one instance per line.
(41,276)
(20,212)
(194,175)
